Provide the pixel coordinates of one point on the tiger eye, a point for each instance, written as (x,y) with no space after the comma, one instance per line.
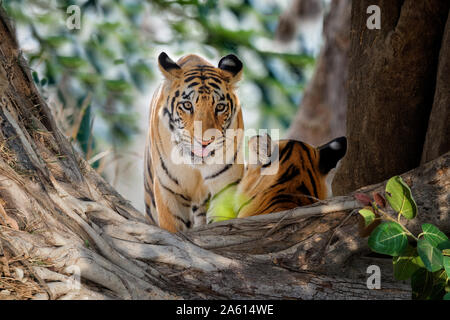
(187,105)
(221,107)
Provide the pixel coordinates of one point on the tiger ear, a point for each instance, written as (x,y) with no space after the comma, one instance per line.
(232,67)
(260,149)
(330,153)
(168,67)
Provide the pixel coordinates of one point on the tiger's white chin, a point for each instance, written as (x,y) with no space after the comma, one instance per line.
(195,157)
(201,152)
(201,158)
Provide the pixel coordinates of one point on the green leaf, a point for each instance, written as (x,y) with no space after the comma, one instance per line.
(89,78)
(35,76)
(421,284)
(444,246)
(56,41)
(119,61)
(221,206)
(435,236)
(428,285)
(439,281)
(72,62)
(406,264)
(430,255)
(388,238)
(368,216)
(399,196)
(447,296)
(446,263)
(117,85)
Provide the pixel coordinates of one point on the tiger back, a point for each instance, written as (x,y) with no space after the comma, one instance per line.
(301,178)
(195,140)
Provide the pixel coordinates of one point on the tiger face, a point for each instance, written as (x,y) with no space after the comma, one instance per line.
(301,178)
(202,111)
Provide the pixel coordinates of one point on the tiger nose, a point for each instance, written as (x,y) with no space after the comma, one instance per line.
(206,143)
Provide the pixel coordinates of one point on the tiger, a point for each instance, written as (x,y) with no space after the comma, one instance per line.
(286,174)
(194,144)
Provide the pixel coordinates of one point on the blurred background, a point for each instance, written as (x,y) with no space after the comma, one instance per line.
(99,79)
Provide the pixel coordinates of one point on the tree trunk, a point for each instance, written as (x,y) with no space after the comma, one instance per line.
(437,140)
(322,112)
(58,216)
(392,82)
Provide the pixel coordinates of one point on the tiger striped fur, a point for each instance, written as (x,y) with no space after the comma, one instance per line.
(302,177)
(180,172)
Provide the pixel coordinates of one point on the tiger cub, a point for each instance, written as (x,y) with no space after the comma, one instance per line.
(286,175)
(194,144)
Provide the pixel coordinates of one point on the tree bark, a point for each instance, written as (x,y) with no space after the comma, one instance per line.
(322,111)
(437,140)
(57,213)
(392,81)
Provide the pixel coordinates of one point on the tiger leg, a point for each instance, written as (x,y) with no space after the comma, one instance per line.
(166,219)
(149,197)
(199,212)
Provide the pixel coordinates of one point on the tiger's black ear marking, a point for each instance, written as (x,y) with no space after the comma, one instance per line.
(168,67)
(231,64)
(330,153)
(166,62)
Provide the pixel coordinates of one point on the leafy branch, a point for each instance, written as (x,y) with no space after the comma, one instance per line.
(425,259)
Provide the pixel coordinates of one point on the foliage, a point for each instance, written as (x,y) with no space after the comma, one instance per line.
(226,204)
(100,66)
(97,72)
(427,263)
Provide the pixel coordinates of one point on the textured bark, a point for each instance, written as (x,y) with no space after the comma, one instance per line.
(322,111)
(437,140)
(56,213)
(392,78)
